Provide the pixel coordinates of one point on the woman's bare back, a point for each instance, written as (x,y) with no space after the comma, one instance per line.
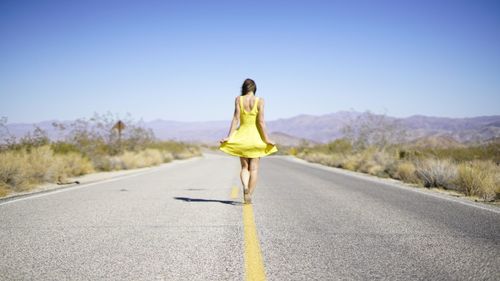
(248,102)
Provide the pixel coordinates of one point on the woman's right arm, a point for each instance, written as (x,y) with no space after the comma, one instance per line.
(234,122)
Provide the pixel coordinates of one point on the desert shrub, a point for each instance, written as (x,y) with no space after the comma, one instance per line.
(336,160)
(315,157)
(406,172)
(350,162)
(341,146)
(387,160)
(183,155)
(40,165)
(489,151)
(98,136)
(178,150)
(333,160)
(367,165)
(62,147)
(20,169)
(437,173)
(136,159)
(144,158)
(35,138)
(74,164)
(172,146)
(13,168)
(85,146)
(364,161)
(478,178)
(102,163)
(448,168)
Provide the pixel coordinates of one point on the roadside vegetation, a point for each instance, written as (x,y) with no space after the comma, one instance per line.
(377,146)
(81,147)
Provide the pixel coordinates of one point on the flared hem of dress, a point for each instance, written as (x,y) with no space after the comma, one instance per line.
(258,155)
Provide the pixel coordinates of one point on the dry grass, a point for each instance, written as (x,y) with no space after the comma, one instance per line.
(88,146)
(20,170)
(437,173)
(73,164)
(4,190)
(473,170)
(13,169)
(377,163)
(479,178)
(157,153)
(131,160)
(473,178)
(350,162)
(145,158)
(40,165)
(406,171)
(317,158)
(333,160)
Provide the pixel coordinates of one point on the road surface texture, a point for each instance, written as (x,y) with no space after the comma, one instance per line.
(181,222)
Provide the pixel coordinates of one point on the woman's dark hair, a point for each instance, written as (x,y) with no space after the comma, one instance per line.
(248,86)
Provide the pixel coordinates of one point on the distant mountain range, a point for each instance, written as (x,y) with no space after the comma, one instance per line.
(320,129)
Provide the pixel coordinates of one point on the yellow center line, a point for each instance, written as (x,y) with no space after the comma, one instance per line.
(254,264)
(234,192)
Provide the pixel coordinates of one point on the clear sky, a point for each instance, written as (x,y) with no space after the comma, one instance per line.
(186,60)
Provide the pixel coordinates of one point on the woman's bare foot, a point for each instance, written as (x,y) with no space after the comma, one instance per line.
(248,199)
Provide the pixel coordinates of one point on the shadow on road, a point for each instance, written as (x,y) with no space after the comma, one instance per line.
(187,199)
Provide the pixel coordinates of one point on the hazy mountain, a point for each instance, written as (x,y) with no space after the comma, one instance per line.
(463,130)
(322,128)
(285,139)
(436,142)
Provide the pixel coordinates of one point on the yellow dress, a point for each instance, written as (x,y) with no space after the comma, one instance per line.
(246,141)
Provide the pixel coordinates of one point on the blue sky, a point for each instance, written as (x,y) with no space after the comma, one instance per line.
(186,60)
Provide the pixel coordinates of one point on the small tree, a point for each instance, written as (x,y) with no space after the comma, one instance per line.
(38,137)
(376,130)
(6,138)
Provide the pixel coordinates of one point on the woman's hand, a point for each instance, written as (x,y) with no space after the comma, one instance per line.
(270,142)
(224,140)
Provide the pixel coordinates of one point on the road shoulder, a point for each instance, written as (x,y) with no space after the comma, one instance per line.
(90,179)
(434,192)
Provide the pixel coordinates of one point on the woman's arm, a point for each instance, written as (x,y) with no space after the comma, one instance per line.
(261,124)
(235,121)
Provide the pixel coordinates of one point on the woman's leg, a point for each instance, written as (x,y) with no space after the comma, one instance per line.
(245,173)
(253,167)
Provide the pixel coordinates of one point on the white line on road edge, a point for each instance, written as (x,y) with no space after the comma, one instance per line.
(117,178)
(394,184)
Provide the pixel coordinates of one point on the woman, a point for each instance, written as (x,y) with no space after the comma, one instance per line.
(249,141)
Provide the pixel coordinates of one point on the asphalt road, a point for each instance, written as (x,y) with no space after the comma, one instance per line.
(179,222)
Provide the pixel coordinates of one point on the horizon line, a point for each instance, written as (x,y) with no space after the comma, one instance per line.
(271,120)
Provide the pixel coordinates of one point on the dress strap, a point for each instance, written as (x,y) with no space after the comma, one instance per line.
(255,103)
(241,103)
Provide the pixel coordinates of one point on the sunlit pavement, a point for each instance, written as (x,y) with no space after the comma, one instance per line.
(182,222)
